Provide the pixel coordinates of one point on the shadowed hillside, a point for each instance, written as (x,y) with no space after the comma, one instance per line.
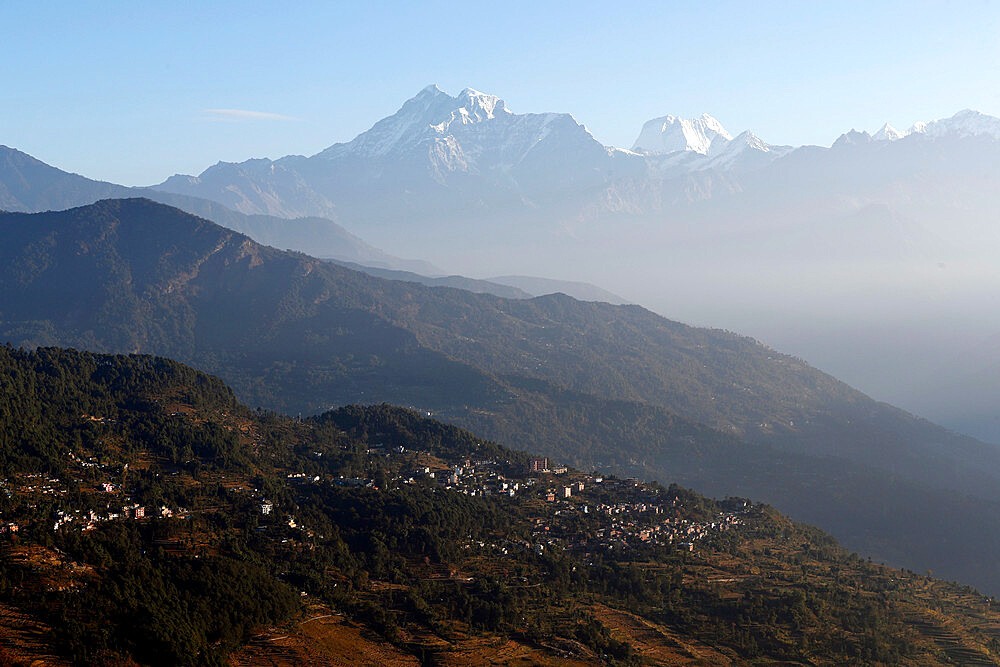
(593,383)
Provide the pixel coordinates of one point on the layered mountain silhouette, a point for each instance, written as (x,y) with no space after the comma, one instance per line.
(456,172)
(28,184)
(595,384)
(880,238)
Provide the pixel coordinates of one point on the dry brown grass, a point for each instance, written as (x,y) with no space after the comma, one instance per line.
(320,638)
(657,644)
(25,640)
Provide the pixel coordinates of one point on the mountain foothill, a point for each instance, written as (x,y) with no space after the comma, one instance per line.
(596,385)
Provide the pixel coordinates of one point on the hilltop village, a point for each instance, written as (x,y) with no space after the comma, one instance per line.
(566,509)
(169,525)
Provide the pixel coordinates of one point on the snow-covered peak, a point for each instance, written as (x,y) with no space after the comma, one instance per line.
(669,134)
(432,89)
(888,133)
(472,132)
(429,113)
(750,141)
(746,150)
(474,101)
(474,107)
(965,123)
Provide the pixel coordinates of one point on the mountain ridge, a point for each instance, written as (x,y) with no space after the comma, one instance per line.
(30,185)
(563,376)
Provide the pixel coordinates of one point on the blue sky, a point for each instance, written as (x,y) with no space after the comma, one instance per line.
(121,90)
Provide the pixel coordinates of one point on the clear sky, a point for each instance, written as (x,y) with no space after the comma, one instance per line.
(123,91)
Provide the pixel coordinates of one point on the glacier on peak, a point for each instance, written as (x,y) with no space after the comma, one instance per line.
(435,116)
(669,134)
(470,133)
(889,133)
(676,145)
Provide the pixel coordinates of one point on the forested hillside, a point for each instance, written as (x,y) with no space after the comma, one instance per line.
(149,517)
(590,383)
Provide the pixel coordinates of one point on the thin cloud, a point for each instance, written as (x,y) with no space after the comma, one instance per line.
(243,114)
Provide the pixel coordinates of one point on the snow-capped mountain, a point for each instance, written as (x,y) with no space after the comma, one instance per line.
(468,154)
(852,138)
(745,150)
(469,132)
(965,123)
(471,145)
(669,134)
(674,146)
(888,133)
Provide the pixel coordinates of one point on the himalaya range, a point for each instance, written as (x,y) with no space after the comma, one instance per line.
(456,141)
(872,258)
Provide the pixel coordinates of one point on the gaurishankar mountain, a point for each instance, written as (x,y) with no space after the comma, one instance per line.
(595,384)
(438,154)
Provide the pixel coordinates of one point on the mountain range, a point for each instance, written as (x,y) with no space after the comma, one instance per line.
(614,387)
(470,155)
(887,240)
(28,184)
(440,155)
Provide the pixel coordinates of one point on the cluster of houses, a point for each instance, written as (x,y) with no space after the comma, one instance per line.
(37,483)
(482,478)
(32,485)
(639,515)
(621,534)
(642,516)
(88,519)
(586,513)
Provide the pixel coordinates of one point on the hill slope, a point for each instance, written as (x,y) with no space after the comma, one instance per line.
(30,185)
(169,525)
(559,376)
